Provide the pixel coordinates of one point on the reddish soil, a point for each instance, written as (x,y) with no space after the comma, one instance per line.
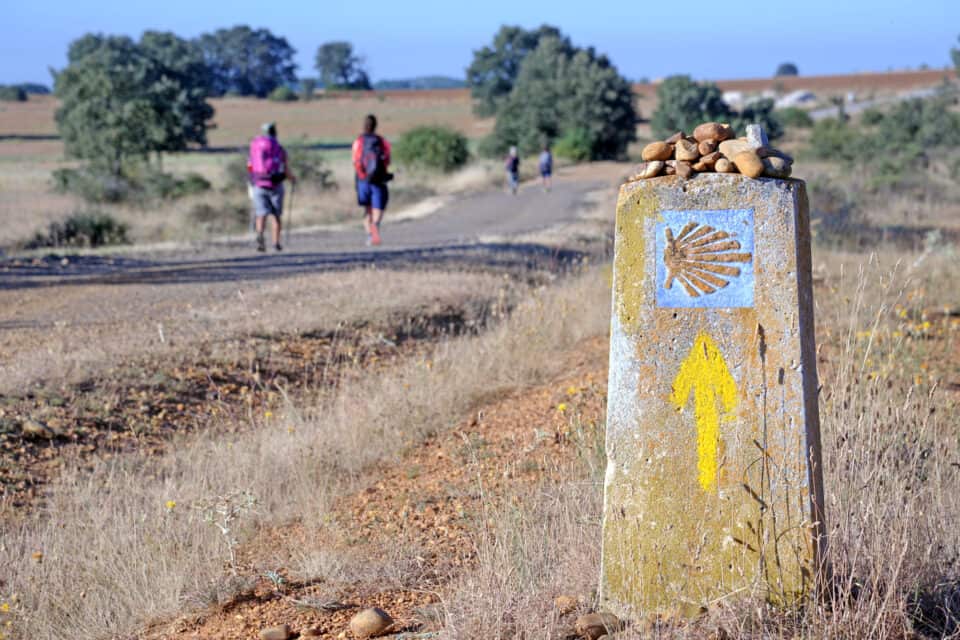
(421,514)
(141,405)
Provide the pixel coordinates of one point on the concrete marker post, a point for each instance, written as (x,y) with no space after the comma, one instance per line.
(714,486)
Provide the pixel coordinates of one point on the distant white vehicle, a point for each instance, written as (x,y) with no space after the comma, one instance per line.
(796,99)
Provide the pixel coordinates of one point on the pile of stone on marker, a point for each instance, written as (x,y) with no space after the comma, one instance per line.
(713,149)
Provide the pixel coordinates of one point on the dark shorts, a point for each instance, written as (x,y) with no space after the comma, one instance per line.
(371,195)
(546,172)
(267,202)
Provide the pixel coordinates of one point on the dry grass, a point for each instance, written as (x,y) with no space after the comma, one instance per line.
(891,438)
(116,553)
(97,326)
(29,205)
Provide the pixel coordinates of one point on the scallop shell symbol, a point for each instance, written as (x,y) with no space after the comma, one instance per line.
(698,258)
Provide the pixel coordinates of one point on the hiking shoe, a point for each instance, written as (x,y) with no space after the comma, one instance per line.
(278,247)
(374,235)
(261,245)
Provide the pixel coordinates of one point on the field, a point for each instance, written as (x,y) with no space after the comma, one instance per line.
(213,457)
(30,150)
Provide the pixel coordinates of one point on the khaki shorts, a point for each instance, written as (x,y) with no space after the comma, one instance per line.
(267,201)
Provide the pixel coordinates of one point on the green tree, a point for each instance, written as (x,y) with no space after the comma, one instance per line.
(683,104)
(183,61)
(248,62)
(117,101)
(340,67)
(564,91)
(758,112)
(787,69)
(494,68)
(432,147)
(12,93)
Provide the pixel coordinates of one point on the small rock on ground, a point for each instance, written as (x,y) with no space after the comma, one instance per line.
(279,632)
(370,623)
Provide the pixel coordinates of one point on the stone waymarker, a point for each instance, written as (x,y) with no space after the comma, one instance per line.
(713,486)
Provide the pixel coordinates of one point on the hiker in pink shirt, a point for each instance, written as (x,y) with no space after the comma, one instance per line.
(267,169)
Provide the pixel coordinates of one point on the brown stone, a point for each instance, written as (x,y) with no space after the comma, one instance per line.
(311,632)
(370,623)
(564,604)
(707,147)
(730,148)
(686,151)
(713,131)
(657,151)
(652,169)
(774,167)
(711,158)
(685,170)
(770,152)
(595,625)
(749,164)
(279,632)
(700,166)
(679,135)
(724,166)
(670,170)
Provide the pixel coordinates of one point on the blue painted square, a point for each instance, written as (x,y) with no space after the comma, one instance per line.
(712,258)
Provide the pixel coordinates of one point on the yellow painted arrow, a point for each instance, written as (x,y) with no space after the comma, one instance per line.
(705,373)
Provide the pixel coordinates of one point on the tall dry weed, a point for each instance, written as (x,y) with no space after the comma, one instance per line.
(129,541)
(891,452)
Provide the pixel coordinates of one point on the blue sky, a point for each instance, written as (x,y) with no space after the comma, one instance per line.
(707,39)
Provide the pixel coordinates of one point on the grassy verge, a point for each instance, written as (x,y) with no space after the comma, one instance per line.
(891,438)
(137,537)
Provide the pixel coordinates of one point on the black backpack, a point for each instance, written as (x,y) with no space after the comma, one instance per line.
(371,166)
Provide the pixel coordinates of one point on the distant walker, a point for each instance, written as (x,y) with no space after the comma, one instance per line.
(267,170)
(371,161)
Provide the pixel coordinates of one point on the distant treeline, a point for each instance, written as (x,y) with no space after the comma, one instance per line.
(422,82)
(20,92)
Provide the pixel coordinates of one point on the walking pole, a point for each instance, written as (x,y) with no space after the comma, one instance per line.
(293,189)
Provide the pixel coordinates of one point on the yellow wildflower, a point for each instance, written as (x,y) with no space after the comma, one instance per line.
(5,607)
(572,391)
(562,407)
(170,504)
(268,415)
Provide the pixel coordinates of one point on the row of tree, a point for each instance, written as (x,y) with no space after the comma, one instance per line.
(121,98)
(542,88)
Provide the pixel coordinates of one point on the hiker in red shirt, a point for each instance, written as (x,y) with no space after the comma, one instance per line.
(371,157)
(267,169)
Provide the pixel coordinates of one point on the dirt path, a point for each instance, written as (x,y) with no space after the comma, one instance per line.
(457,234)
(95,352)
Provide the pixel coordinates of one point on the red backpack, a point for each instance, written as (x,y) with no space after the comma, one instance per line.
(372,166)
(266,161)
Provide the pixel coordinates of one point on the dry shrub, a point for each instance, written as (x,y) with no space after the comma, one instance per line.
(892,468)
(118,553)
